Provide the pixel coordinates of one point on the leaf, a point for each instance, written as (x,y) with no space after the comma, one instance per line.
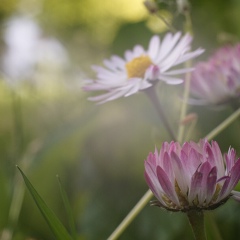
(54,223)
(68,209)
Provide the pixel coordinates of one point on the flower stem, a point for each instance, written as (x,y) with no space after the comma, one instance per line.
(196,220)
(152,95)
(223,125)
(183,111)
(184,105)
(131,215)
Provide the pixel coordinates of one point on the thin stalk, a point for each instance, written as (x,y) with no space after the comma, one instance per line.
(15,208)
(190,130)
(223,125)
(196,220)
(235,104)
(131,215)
(17,123)
(18,188)
(183,111)
(188,23)
(148,195)
(152,95)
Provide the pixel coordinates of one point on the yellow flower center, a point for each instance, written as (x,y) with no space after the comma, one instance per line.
(138,66)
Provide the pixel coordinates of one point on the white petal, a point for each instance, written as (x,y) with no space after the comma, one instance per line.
(101,97)
(138,51)
(188,56)
(167,45)
(134,89)
(181,47)
(178,71)
(128,55)
(109,64)
(119,62)
(154,47)
(171,80)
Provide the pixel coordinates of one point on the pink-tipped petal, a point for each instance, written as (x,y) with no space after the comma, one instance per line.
(166,185)
(211,184)
(195,186)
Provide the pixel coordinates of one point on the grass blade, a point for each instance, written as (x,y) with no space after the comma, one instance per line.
(68,209)
(54,223)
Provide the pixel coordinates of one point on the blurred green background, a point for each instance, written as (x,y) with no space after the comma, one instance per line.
(49,128)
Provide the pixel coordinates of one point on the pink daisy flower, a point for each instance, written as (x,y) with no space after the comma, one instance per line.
(139,69)
(217,80)
(192,176)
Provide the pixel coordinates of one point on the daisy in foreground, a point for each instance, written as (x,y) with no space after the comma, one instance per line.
(139,69)
(192,178)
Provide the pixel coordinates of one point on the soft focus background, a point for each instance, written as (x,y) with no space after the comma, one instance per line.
(49,128)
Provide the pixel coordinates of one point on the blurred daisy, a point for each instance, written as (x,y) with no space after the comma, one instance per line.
(217,81)
(192,176)
(140,69)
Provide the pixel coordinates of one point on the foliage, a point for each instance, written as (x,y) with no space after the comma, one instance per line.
(98,151)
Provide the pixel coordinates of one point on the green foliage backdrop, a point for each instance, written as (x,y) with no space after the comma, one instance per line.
(98,151)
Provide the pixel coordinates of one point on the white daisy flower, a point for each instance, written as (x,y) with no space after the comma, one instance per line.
(140,69)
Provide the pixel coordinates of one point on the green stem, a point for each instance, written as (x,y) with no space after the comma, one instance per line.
(152,95)
(18,188)
(15,208)
(196,220)
(188,24)
(223,125)
(131,215)
(183,111)
(18,123)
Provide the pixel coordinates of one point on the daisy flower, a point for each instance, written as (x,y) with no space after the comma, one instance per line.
(192,177)
(140,69)
(217,80)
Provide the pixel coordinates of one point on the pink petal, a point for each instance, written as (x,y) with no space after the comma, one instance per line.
(211,184)
(224,191)
(167,186)
(152,180)
(235,175)
(180,173)
(195,186)
(167,166)
(218,159)
(205,169)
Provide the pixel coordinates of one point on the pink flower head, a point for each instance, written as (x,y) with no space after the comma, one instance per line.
(140,68)
(192,176)
(217,80)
